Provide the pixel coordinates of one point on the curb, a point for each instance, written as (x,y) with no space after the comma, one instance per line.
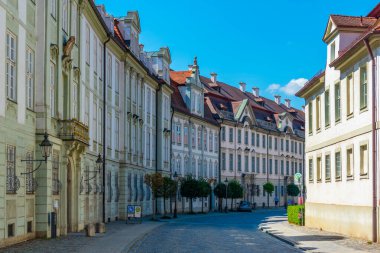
(283,239)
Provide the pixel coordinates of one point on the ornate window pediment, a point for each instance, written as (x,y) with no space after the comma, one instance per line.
(54,51)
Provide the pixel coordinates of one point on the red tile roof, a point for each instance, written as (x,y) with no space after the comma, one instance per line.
(352,21)
(375,12)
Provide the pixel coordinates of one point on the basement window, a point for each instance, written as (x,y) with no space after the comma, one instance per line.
(11,230)
(29,227)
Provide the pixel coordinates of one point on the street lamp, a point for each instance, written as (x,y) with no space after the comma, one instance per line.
(45,147)
(226,182)
(175,176)
(99,163)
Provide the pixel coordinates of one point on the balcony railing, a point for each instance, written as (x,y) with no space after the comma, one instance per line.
(73,130)
(13,184)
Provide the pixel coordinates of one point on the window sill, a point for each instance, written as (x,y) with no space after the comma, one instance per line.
(337,122)
(350,116)
(327,126)
(364,176)
(328,180)
(12,101)
(350,178)
(364,109)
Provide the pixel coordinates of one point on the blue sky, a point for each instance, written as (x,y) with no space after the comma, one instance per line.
(259,42)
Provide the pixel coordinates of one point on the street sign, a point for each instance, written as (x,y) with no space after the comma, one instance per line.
(134,213)
(297,178)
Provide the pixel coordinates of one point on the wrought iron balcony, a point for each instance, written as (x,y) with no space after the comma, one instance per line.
(56,186)
(31,184)
(73,130)
(13,184)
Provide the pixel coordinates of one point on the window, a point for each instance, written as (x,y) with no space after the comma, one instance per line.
(239,136)
(55,172)
(253,139)
(337,102)
(231,135)
(270,166)
(287,168)
(282,144)
(282,167)
(147,142)
(239,162)
(64,15)
(363,88)
(332,52)
(276,167)
(117,133)
(193,136)
(53,8)
(264,165)
(275,143)
(246,137)
(350,95)
(263,191)
(186,135)
(287,145)
(364,160)
(11,169)
(94,122)
(292,146)
(338,166)
(29,78)
(100,125)
(252,164)
(258,140)
(95,54)
(205,139)
(327,108)
(310,107)
(270,142)
(246,168)
(223,161)
(109,126)
(231,160)
(117,72)
(86,108)
(11,230)
(318,108)
(311,176)
(199,139)
(295,147)
(109,76)
(11,67)
(319,169)
(88,46)
(29,177)
(210,141)
(350,162)
(75,101)
(327,168)
(258,165)
(264,141)
(29,227)
(178,133)
(52,89)
(74,22)
(223,133)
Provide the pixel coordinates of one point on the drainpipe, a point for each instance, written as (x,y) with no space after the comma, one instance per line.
(267,166)
(104,125)
(374,148)
(171,144)
(157,91)
(219,153)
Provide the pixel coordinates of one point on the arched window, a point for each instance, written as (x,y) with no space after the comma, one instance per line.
(210,142)
(205,139)
(199,138)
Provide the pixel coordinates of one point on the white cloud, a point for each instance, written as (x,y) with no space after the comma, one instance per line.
(273,87)
(293,86)
(289,89)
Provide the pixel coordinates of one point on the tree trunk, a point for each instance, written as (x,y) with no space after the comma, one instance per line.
(232,200)
(154,208)
(164,206)
(267,199)
(191,205)
(202,203)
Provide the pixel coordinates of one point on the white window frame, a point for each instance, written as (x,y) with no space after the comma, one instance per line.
(29,78)
(11,66)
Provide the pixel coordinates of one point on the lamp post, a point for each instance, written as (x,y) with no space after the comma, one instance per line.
(45,147)
(226,182)
(175,176)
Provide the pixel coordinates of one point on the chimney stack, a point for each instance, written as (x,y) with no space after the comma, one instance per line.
(213,77)
(242,86)
(141,48)
(256,91)
(287,102)
(277,99)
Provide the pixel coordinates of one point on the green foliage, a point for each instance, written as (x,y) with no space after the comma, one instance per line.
(168,188)
(220,190)
(268,187)
(296,214)
(234,190)
(204,188)
(189,187)
(292,190)
(155,182)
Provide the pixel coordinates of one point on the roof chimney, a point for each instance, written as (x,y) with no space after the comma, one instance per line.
(141,48)
(287,102)
(256,91)
(242,86)
(277,99)
(213,77)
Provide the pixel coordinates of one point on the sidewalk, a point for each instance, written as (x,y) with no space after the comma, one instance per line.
(314,240)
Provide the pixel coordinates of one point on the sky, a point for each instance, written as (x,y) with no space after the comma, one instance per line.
(275,45)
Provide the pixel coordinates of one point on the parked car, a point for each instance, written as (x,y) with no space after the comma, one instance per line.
(244,206)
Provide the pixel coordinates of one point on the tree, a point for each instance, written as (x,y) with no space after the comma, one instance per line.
(168,189)
(220,192)
(204,189)
(155,182)
(292,190)
(268,188)
(234,190)
(190,189)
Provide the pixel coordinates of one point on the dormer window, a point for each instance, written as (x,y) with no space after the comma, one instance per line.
(332,52)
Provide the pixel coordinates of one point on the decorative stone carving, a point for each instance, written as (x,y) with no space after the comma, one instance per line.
(54,51)
(67,64)
(76,74)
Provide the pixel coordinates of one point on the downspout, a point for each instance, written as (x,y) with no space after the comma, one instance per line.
(157,91)
(219,153)
(171,144)
(104,125)
(374,148)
